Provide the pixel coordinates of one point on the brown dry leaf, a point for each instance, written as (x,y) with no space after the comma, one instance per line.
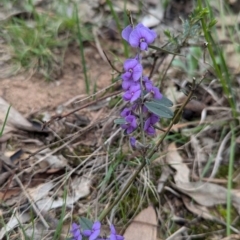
(208,194)
(16,220)
(204,193)
(11,196)
(144,226)
(232,237)
(174,159)
(55,162)
(15,119)
(200,211)
(80,188)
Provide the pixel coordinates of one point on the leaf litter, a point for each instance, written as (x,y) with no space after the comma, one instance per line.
(73,155)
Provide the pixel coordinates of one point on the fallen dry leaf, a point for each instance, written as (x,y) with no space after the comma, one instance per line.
(174,159)
(14,120)
(144,226)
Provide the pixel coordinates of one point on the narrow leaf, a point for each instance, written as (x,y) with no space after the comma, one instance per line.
(119,121)
(164,101)
(159,109)
(85,223)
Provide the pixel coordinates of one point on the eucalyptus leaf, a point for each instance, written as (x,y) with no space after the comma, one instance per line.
(164,101)
(159,109)
(119,121)
(85,223)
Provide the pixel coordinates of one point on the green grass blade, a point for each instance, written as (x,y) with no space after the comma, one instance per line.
(230,175)
(116,18)
(80,39)
(5,121)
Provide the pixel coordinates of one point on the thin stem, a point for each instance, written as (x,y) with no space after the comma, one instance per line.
(230,175)
(144,162)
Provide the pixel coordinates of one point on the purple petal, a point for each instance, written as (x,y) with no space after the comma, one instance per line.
(76,232)
(156,93)
(135,36)
(94,235)
(130,63)
(96,226)
(133,144)
(112,237)
(126,32)
(135,87)
(112,228)
(144,109)
(130,118)
(124,126)
(125,112)
(154,119)
(126,76)
(127,96)
(126,84)
(147,124)
(87,233)
(130,129)
(75,227)
(140,25)
(135,96)
(119,237)
(150,130)
(143,46)
(137,72)
(148,34)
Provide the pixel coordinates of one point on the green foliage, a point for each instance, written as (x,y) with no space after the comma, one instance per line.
(85,223)
(159,108)
(5,121)
(38,42)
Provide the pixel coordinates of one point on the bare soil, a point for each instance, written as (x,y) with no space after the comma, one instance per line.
(29,94)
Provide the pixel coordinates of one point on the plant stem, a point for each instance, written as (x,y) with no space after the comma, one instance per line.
(144,162)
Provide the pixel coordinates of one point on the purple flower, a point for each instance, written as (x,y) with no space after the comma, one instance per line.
(148,84)
(140,36)
(125,112)
(133,93)
(148,126)
(130,125)
(156,93)
(75,230)
(113,235)
(133,70)
(94,232)
(133,142)
(126,84)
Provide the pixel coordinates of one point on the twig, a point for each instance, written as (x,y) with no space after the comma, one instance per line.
(60,116)
(149,156)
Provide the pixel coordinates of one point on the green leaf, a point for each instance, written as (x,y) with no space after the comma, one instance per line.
(212,23)
(119,121)
(164,101)
(159,109)
(167,34)
(85,223)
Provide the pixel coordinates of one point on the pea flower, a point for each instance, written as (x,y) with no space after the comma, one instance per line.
(113,235)
(148,125)
(156,93)
(133,142)
(125,112)
(75,230)
(133,93)
(127,84)
(133,70)
(94,232)
(130,125)
(140,36)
